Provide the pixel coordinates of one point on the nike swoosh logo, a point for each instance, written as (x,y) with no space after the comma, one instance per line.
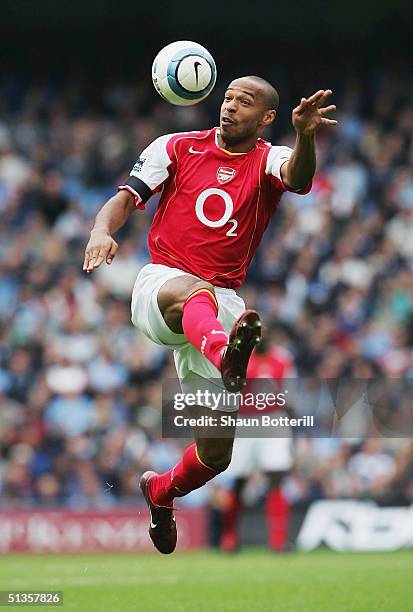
(196,67)
(192,150)
(153,525)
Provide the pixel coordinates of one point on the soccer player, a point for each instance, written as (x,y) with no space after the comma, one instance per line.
(219,189)
(272,456)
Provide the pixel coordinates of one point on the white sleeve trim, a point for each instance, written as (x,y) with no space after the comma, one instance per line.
(153,163)
(276,158)
(136,197)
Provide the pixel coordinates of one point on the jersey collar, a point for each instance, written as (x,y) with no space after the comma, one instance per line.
(229,152)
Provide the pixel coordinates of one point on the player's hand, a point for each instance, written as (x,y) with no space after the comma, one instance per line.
(101,247)
(311,113)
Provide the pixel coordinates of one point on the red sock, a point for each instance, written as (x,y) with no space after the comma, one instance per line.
(201,326)
(188,474)
(230,516)
(278,519)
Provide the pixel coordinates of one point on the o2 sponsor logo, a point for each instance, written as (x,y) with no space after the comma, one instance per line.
(226,217)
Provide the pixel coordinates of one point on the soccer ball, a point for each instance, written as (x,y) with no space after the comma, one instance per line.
(184,73)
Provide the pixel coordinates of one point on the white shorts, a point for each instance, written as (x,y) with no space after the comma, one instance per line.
(147,317)
(260,454)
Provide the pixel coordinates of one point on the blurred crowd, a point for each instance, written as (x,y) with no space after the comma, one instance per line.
(80,388)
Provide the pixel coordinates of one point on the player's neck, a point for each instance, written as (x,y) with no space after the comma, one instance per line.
(241,147)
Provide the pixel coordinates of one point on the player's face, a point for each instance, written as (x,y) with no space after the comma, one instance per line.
(243,112)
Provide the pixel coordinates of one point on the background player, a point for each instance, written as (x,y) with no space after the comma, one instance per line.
(219,189)
(271,456)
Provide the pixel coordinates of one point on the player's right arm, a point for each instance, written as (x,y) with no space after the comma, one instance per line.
(111,217)
(147,176)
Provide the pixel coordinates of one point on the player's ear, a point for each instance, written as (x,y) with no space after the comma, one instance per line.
(269,117)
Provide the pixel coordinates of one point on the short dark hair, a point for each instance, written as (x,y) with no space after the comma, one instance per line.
(272,99)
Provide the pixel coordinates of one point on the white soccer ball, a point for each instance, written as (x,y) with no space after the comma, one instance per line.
(184,73)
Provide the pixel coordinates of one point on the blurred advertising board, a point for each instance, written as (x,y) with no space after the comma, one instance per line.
(120,529)
(356,526)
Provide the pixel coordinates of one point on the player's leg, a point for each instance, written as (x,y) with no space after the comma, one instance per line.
(175,292)
(162,309)
(278,511)
(201,462)
(241,468)
(231,515)
(275,459)
(189,305)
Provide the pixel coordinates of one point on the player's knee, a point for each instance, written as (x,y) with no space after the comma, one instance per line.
(197,286)
(172,305)
(173,315)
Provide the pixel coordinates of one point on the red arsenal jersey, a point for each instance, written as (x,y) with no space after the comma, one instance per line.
(271,367)
(214,206)
(277,363)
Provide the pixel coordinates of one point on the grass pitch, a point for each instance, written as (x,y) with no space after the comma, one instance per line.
(251,581)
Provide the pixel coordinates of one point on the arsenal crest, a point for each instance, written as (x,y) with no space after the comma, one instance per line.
(224,175)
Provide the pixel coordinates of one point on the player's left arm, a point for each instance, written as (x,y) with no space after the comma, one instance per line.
(307,117)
